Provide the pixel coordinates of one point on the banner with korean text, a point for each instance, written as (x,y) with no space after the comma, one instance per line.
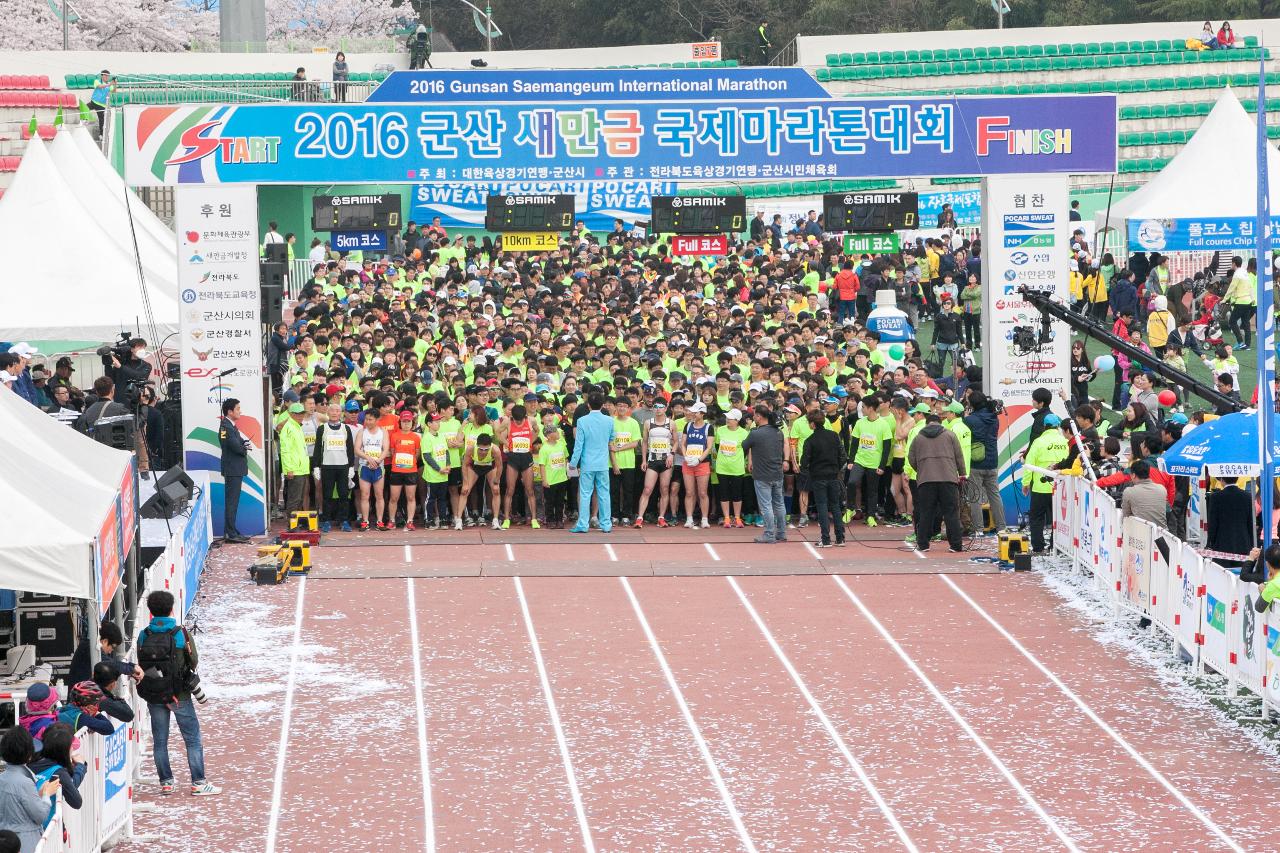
(666,140)
(220,338)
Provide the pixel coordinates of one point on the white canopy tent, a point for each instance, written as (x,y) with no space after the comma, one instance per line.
(1214,176)
(85,285)
(107,206)
(57,487)
(143,216)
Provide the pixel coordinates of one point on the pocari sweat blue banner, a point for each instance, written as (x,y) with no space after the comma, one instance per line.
(598,203)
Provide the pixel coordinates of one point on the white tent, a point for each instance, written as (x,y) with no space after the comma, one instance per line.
(142,215)
(107,206)
(57,487)
(1214,176)
(81,284)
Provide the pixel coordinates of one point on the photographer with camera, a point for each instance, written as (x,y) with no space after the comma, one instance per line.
(105,406)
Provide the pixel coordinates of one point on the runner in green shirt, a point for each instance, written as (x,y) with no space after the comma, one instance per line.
(873,437)
(798,431)
(553,467)
(731,467)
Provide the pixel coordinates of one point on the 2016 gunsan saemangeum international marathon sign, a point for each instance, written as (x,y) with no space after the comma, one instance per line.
(631,139)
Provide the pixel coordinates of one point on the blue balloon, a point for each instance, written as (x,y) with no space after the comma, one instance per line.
(1104,363)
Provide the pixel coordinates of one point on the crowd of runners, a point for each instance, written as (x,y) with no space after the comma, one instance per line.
(441,387)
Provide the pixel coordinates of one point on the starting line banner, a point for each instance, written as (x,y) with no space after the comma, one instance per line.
(603,141)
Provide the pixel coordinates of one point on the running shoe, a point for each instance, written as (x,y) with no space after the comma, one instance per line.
(639,525)
(381,525)
(470,521)
(325,527)
(739,523)
(364,525)
(662,522)
(839,543)
(803,522)
(166,788)
(506,525)
(408,527)
(706,522)
(822,545)
(497,525)
(728,523)
(871,521)
(533,523)
(848,516)
(346,527)
(204,789)
(457,524)
(689,523)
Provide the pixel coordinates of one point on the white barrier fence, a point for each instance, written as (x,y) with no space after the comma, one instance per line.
(116,763)
(1205,609)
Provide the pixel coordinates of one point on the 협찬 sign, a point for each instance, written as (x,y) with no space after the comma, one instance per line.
(602,141)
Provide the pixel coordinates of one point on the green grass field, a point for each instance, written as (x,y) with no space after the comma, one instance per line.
(1102,386)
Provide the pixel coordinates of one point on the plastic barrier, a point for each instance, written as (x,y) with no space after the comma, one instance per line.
(1205,610)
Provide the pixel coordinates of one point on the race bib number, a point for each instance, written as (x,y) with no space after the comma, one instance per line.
(402,460)
(693,454)
(729,448)
(520,444)
(621,439)
(660,447)
(867,442)
(441,455)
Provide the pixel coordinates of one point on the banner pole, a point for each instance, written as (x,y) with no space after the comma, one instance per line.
(1266,317)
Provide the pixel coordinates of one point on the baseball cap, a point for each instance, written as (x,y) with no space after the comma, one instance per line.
(733,415)
(955,407)
(920,409)
(296,409)
(65,361)
(290,396)
(793,409)
(1052,420)
(352,406)
(839,392)
(699,407)
(406,414)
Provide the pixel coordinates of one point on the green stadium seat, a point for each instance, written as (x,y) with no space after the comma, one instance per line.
(1026,89)
(1165,44)
(953,53)
(833,59)
(1108,47)
(1181,83)
(1058,63)
(899,56)
(1093,48)
(1036,50)
(913,56)
(823,74)
(854,58)
(1250,41)
(966,53)
(981,53)
(1149,138)
(1021,50)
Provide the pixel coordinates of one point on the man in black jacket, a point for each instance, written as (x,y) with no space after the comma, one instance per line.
(235,467)
(823,463)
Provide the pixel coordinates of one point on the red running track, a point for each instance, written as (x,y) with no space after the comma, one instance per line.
(958,713)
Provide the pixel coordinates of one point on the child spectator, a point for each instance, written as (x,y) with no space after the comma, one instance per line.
(58,760)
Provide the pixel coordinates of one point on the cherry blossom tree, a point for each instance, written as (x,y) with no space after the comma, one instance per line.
(107,25)
(320,19)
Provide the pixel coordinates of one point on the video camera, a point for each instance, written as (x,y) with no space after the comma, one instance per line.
(120,349)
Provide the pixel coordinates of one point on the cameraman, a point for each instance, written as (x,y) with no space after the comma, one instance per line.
(126,363)
(104,389)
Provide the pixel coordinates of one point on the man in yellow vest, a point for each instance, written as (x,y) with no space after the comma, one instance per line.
(1049,448)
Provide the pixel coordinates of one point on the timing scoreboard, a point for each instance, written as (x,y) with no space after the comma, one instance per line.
(355,212)
(542,213)
(698,214)
(871,211)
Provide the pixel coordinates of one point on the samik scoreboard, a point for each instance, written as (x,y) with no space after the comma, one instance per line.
(870,211)
(355,212)
(698,214)
(545,213)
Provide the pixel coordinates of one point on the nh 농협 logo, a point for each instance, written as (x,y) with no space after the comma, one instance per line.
(995,136)
(201,140)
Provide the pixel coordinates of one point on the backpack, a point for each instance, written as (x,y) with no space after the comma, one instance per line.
(163,674)
(41,778)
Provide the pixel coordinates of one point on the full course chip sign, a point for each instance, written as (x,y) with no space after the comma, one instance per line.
(871,244)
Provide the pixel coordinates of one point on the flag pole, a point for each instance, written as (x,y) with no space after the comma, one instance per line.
(1266,317)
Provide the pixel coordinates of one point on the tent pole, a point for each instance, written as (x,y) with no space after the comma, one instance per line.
(1106,224)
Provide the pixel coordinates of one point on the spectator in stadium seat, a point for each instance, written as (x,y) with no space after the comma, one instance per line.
(341,74)
(23,809)
(301,89)
(1226,38)
(101,97)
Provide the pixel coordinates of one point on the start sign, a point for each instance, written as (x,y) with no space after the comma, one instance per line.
(871,244)
(530,242)
(715,244)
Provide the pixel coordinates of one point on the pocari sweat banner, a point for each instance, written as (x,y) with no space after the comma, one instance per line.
(597,205)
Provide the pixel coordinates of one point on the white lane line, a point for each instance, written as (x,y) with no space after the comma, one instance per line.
(826,722)
(813,550)
(563,744)
(1101,723)
(424,758)
(725,797)
(711,551)
(408,554)
(282,750)
(955,715)
(613,555)
(511,555)
(919,553)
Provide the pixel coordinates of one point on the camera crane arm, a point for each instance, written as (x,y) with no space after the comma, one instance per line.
(1049,308)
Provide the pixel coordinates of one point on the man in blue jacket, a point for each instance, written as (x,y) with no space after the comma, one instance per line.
(594,434)
(984,464)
